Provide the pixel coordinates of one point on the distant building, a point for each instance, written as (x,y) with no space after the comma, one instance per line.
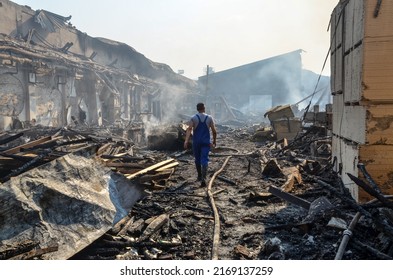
(256,87)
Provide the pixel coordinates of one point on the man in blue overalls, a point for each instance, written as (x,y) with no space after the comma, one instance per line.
(200,125)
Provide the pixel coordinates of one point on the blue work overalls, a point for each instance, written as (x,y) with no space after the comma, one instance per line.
(201,142)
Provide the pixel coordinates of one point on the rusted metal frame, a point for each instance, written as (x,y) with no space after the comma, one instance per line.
(216,230)
(289,197)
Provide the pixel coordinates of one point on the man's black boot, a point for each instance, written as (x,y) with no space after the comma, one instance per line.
(204,173)
(199,170)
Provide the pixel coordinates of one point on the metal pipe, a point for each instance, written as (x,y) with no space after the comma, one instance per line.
(346,236)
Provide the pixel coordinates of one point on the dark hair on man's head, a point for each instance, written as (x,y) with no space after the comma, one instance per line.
(200,106)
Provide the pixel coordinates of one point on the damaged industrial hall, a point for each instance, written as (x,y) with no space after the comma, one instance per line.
(92,163)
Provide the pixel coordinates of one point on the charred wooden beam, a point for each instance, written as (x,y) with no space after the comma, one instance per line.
(150,168)
(35,253)
(155,177)
(18,157)
(136,226)
(119,225)
(27,145)
(72,142)
(124,165)
(129,243)
(47,145)
(25,167)
(289,197)
(226,180)
(17,250)
(368,177)
(347,198)
(123,158)
(371,191)
(126,226)
(153,227)
(10,138)
(373,251)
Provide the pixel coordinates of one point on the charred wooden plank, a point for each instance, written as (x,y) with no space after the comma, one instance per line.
(226,180)
(156,177)
(371,191)
(173,164)
(47,145)
(368,177)
(347,198)
(18,249)
(28,145)
(10,138)
(25,167)
(289,197)
(153,227)
(126,170)
(24,158)
(123,158)
(101,150)
(126,226)
(35,253)
(150,168)
(119,225)
(373,251)
(136,227)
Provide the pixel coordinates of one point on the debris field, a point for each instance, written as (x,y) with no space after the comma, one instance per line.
(265,200)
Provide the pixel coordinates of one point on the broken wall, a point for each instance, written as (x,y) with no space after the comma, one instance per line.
(362,71)
(98,78)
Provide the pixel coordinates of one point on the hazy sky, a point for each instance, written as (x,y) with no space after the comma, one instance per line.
(190,34)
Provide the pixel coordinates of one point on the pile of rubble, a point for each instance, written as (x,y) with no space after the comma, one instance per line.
(266,199)
(274,200)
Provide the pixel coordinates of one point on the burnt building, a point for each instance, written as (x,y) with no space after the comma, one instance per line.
(51,73)
(255,87)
